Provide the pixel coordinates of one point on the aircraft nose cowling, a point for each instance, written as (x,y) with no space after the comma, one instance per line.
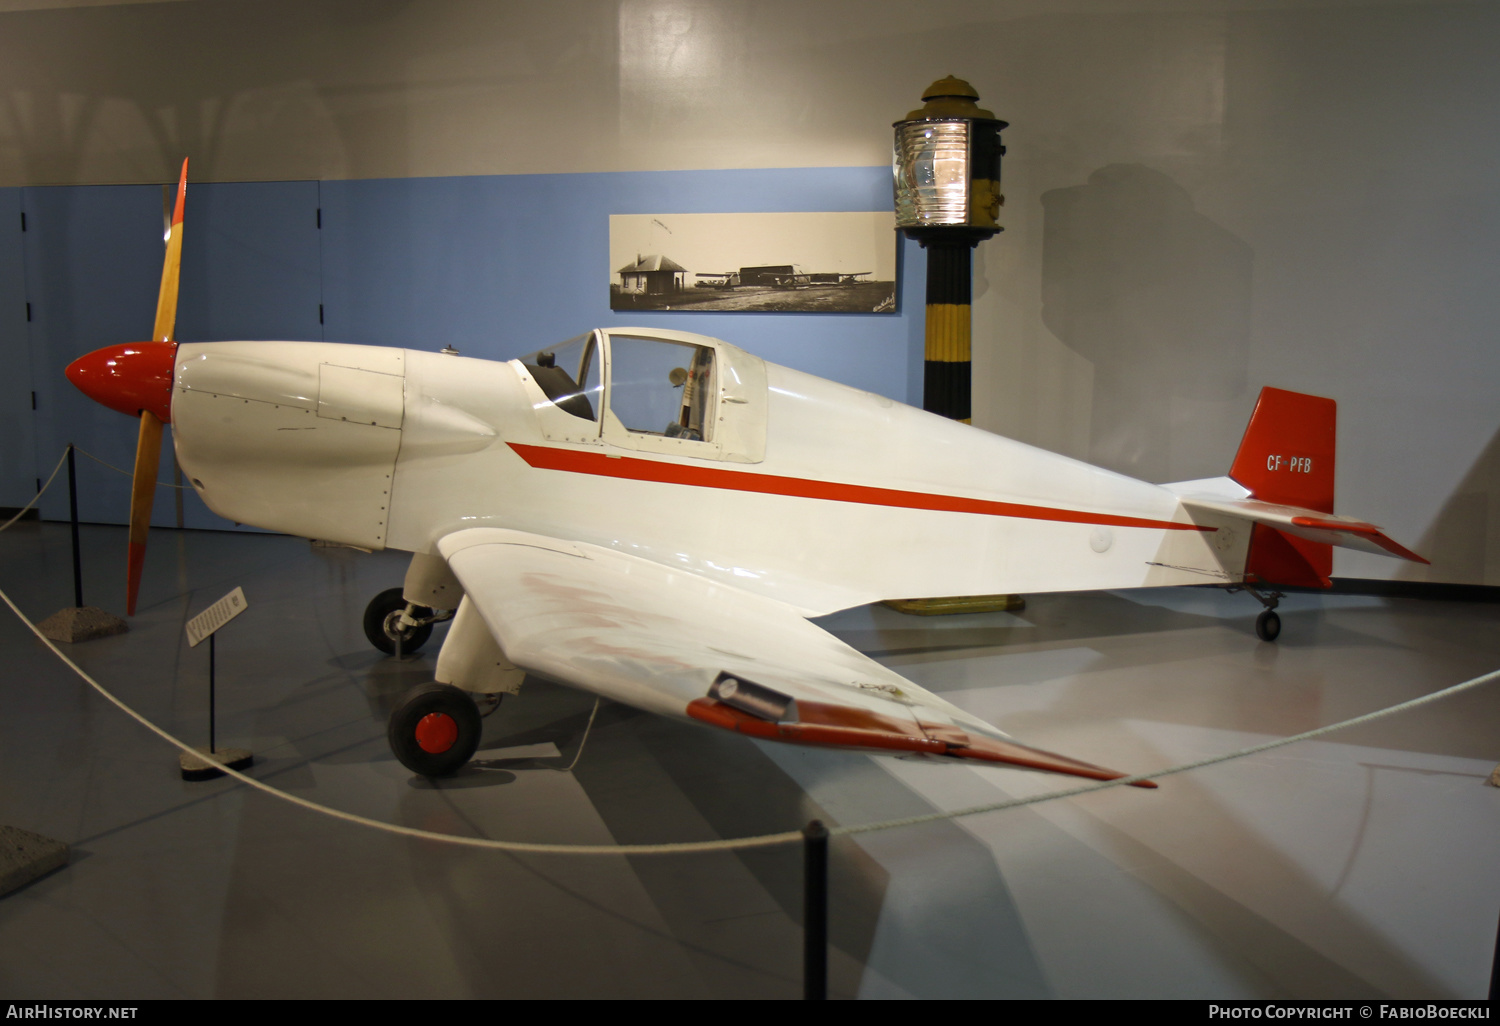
(129,377)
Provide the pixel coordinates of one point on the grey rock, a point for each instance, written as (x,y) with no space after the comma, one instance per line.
(24,856)
(82,624)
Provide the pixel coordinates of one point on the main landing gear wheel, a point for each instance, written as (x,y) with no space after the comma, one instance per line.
(1268,625)
(434,730)
(383,623)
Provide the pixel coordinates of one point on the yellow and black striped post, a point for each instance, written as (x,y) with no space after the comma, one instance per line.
(947,188)
(947,380)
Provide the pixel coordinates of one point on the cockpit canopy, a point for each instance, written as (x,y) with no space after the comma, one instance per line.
(571,375)
(658,391)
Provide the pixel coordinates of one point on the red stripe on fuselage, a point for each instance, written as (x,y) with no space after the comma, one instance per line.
(574,461)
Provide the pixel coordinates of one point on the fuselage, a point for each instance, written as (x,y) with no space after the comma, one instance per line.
(801,489)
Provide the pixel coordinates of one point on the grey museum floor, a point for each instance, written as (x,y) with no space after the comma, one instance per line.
(1362,864)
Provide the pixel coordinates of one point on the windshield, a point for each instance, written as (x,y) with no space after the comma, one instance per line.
(661,388)
(569,374)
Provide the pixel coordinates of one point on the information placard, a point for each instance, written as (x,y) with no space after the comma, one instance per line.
(215,616)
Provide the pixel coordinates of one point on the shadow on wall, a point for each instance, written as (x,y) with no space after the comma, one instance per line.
(1155,295)
(1464,541)
(250,78)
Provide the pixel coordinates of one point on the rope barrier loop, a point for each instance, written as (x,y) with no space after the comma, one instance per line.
(39,492)
(119,470)
(729,844)
(53,476)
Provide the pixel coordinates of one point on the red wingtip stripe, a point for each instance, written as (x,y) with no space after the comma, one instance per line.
(987,749)
(181,195)
(843,727)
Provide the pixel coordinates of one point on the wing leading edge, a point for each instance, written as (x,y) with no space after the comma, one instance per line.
(671,642)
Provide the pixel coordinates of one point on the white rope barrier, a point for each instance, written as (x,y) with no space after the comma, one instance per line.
(120,470)
(1212,760)
(588,727)
(38,496)
(729,844)
(52,476)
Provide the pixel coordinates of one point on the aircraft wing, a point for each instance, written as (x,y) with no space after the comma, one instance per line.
(671,642)
(1327,528)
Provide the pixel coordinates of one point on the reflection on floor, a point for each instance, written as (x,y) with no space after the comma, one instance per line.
(1361,864)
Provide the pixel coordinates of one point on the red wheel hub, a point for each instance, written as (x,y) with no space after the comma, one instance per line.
(436,733)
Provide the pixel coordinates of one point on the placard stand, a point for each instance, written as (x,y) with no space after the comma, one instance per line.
(206,625)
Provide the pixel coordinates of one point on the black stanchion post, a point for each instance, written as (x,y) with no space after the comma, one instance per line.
(1495,970)
(73,517)
(77,622)
(815,911)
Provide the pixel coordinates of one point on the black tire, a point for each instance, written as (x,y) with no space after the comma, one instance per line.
(1268,625)
(378,613)
(434,729)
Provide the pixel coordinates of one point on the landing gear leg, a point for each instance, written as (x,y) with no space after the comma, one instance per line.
(1268,623)
(396,626)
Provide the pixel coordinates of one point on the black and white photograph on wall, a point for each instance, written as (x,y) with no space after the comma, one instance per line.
(802,263)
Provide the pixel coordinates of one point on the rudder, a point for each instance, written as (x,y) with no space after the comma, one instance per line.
(1287,457)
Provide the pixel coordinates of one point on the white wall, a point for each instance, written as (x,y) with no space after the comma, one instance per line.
(1201,197)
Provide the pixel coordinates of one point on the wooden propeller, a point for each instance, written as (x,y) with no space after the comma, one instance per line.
(148,443)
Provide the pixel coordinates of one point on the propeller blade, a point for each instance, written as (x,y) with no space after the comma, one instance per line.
(166,300)
(148,444)
(142,495)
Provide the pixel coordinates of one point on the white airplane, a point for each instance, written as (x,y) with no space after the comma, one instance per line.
(653,516)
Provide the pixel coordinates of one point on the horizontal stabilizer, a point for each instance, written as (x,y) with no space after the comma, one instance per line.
(1308,524)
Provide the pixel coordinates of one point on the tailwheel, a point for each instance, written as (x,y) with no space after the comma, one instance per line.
(434,730)
(1268,625)
(383,623)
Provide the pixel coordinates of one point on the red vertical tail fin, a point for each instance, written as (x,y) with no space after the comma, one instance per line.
(1287,457)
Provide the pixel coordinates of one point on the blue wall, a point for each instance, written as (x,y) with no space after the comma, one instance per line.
(496,266)
(17,441)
